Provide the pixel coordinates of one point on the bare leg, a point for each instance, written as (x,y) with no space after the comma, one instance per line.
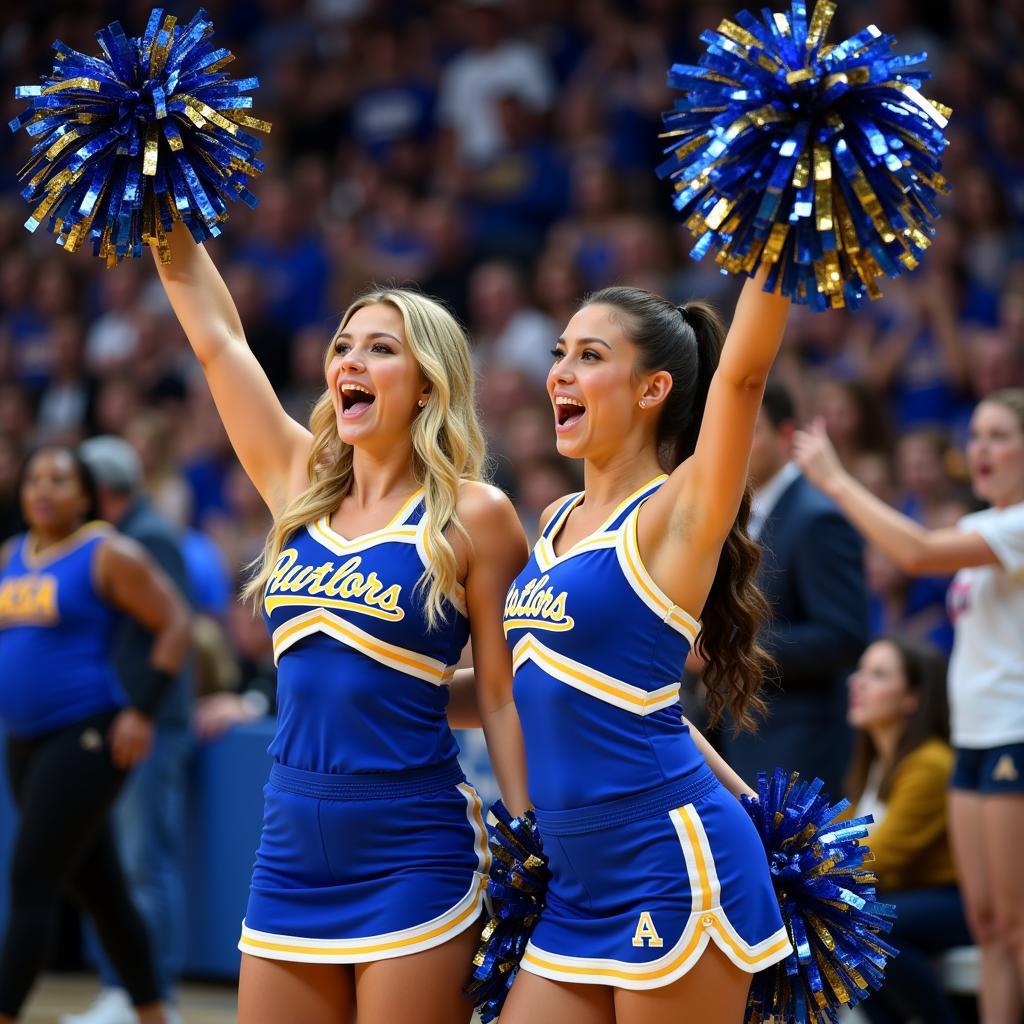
(999,999)
(1003,836)
(536,1000)
(714,989)
(422,988)
(272,991)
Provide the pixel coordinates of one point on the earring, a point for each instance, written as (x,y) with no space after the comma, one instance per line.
(643,403)
(421,403)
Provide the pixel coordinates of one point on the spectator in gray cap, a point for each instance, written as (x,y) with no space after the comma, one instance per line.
(150,817)
(117,468)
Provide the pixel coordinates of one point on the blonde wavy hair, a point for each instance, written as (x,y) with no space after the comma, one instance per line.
(447,444)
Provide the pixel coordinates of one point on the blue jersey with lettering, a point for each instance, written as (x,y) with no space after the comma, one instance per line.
(362,681)
(598,652)
(56,635)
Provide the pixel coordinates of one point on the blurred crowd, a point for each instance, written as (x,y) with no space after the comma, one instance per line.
(499,155)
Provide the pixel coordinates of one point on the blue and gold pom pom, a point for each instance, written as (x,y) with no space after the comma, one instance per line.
(151,132)
(821,161)
(828,902)
(515,895)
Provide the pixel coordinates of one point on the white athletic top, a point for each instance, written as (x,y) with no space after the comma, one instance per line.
(986,603)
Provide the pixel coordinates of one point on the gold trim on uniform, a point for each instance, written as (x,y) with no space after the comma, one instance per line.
(633,568)
(589,680)
(544,550)
(300,601)
(475,814)
(707,922)
(334,542)
(390,944)
(547,559)
(458,599)
(372,947)
(34,559)
(329,587)
(322,530)
(319,620)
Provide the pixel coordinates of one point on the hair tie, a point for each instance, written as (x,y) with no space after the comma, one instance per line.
(681,310)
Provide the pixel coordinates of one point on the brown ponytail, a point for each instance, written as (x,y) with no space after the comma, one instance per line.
(687,342)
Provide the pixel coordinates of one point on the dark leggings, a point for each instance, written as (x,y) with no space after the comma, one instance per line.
(64,785)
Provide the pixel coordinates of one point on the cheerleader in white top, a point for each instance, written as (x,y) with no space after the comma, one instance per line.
(660,905)
(986,671)
(386,554)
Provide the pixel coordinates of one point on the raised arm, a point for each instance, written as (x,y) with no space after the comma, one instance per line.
(271,446)
(497,553)
(917,550)
(712,481)
(689,518)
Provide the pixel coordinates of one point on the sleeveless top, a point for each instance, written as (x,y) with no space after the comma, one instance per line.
(362,680)
(598,652)
(56,635)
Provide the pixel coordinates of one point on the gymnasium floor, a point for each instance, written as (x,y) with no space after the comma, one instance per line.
(200,1004)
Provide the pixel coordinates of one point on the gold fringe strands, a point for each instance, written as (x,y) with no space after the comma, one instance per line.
(834,144)
(150,132)
(828,904)
(516,891)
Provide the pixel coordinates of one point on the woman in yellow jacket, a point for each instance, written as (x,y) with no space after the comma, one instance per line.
(900,773)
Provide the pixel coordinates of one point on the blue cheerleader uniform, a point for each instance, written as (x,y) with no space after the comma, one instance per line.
(56,634)
(651,857)
(373,844)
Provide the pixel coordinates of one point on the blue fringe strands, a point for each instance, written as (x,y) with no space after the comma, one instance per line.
(825,892)
(828,904)
(151,132)
(515,897)
(819,161)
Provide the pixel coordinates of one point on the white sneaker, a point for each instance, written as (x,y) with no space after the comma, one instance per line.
(111,1006)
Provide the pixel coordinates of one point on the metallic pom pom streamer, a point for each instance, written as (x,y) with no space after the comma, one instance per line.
(515,897)
(828,904)
(822,162)
(149,133)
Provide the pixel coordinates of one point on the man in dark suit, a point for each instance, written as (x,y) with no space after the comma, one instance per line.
(812,574)
(150,814)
